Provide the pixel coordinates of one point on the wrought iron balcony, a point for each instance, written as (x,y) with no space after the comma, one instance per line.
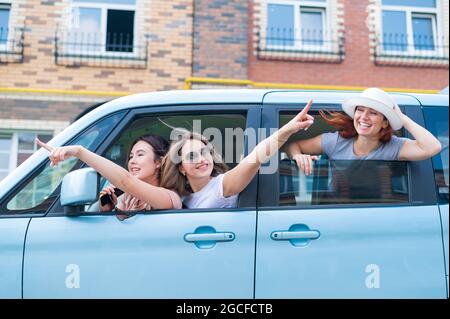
(300,44)
(11,45)
(402,49)
(75,48)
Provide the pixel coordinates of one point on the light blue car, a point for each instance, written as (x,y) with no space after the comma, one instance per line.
(382,232)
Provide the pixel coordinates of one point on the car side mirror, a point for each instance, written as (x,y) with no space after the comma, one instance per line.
(79,188)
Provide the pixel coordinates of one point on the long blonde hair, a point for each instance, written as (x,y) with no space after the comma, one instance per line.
(171,177)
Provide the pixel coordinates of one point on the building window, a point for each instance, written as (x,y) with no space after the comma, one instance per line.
(300,29)
(5,9)
(11,36)
(103,26)
(16,147)
(101,29)
(312,26)
(5,158)
(299,25)
(411,28)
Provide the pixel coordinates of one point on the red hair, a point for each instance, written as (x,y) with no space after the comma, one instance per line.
(344,124)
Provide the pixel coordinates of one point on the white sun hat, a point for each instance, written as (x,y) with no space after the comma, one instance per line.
(378,100)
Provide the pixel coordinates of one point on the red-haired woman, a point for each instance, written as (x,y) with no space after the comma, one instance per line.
(366,132)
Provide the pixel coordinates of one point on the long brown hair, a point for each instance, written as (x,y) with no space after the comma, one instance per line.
(171,177)
(344,124)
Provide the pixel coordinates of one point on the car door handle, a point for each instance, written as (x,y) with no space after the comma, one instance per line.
(195,237)
(289,235)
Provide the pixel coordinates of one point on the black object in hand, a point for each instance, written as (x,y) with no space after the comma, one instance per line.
(107,198)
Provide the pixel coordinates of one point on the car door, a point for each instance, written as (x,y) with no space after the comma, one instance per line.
(203,253)
(355,229)
(28,198)
(12,236)
(436,119)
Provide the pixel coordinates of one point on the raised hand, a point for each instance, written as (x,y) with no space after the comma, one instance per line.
(305,162)
(399,113)
(302,120)
(59,154)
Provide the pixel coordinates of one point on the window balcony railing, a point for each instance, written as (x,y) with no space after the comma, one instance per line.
(419,50)
(75,48)
(300,44)
(11,45)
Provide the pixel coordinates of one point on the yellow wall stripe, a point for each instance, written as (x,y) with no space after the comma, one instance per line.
(190,80)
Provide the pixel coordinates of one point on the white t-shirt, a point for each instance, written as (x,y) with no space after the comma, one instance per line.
(211,196)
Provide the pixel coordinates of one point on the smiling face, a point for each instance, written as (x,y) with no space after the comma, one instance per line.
(369,122)
(141,162)
(197,160)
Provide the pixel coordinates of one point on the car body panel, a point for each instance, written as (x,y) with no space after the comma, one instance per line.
(445,223)
(144,256)
(12,235)
(400,248)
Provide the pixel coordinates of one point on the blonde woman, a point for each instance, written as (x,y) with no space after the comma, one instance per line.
(196,171)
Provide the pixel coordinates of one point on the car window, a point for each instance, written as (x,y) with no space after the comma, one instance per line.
(340,181)
(436,119)
(217,127)
(344,182)
(37,194)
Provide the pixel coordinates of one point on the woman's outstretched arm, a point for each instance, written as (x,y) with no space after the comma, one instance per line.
(235,180)
(157,197)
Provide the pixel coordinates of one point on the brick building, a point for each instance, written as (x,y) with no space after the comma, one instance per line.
(58,57)
(399,44)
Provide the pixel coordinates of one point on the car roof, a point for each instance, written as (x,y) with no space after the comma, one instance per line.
(326,97)
(249,96)
(432,99)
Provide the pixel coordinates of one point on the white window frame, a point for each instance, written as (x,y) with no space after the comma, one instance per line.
(411,11)
(6,46)
(12,160)
(307,6)
(14,150)
(103,27)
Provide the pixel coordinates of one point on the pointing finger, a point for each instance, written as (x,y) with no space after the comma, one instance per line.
(44,145)
(306,108)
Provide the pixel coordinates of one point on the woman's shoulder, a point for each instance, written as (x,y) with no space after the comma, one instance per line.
(175,198)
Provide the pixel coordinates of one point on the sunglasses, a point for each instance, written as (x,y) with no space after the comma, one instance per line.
(193,156)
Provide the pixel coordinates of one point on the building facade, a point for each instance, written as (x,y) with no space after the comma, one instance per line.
(59,57)
(397,44)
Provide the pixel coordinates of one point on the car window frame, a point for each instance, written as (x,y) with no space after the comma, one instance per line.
(429,107)
(418,178)
(252,111)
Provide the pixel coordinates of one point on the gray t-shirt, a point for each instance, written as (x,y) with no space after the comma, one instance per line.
(338,148)
(211,196)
